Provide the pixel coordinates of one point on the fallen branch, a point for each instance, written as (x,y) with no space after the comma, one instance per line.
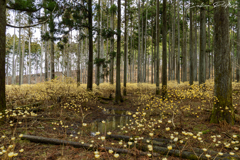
(161,150)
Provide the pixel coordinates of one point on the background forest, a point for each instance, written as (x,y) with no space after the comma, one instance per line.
(144,79)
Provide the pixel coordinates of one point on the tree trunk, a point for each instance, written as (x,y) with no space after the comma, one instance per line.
(125,51)
(202,65)
(29,57)
(157,43)
(184,54)
(195,52)
(22,59)
(52,51)
(223,109)
(173,42)
(41,60)
(118,96)
(238,42)
(46,56)
(2,57)
(191,49)
(178,57)
(13,58)
(78,60)
(19,52)
(233,57)
(164,52)
(90,62)
(112,55)
(139,45)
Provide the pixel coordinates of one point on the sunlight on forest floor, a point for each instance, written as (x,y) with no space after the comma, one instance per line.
(155,128)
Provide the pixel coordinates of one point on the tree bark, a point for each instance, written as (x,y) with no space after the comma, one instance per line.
(90,61)
(164,52)
(191,49)
(13,58)
(118,96)
(173,42)
(2,57)
(223,109)
(125,52)
(195,52)
(238,42)
(46,56)
(112,47)
(184,53)
(202,64)
(139,46)
(178,56)
(157,43)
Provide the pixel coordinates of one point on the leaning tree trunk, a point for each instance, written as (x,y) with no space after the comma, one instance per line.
(164,52)
(223,109)
(2,57)
(202,66)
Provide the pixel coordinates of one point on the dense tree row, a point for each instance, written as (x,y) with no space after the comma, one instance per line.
(77,34)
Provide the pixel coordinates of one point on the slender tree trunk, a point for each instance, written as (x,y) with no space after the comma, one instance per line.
(202,65)
(223,109)
(13,58)
(52,53)
(112,47)
(90,62)
(2,58)
(173,41)
(164,51)
(195,52)
(19,52)
(184,53)
(41,59)
(7,68)
(178,56)
(118,96)
(125,51)
(139,45)
(157,42)
(238,42)
(191,48)
(46,56)
(78,60)
(233,58)
(209,34)
(169,56)
(22,59)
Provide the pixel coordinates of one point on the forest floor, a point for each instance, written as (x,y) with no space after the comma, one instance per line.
(61,110)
